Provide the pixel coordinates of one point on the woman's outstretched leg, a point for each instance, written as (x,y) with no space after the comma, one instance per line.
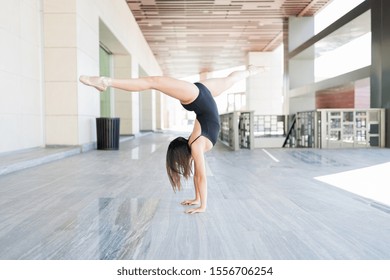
(185,92)
(219,85)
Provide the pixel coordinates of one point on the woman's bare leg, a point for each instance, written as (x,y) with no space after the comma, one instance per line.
(219,85)
(185,92)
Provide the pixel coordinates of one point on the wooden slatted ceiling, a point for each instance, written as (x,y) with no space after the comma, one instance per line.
(193,36)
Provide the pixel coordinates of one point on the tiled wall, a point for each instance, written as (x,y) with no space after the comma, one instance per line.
(45,46)
(20,76)
(336,99)
(355,96)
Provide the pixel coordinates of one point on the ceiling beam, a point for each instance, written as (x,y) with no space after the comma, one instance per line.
(274,40)
(307,8)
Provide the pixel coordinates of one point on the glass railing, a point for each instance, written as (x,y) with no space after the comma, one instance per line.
(245,130)
(339,128)
(323,128)
(269,125)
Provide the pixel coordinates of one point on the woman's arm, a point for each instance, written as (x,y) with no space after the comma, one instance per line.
(196,200)
(200,179)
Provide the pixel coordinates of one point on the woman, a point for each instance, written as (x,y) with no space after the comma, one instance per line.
(197,97)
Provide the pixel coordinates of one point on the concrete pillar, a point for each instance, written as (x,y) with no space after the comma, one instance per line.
(286,69)
(160,109)
(301,66)
(301,29)
(264,93)
(380,59)
(70,109)
(126,103)
(148,110)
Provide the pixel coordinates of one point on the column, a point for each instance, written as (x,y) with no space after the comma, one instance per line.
(71,48)
(148,110)
(301,66)
(126,103)
(264,93)
(160,109)
(380,59)
(60,52)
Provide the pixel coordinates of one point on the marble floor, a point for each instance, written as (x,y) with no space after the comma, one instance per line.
(263,204)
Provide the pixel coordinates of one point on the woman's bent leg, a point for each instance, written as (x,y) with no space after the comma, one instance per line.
(219,85)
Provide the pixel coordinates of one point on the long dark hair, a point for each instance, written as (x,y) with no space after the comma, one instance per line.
(179,162)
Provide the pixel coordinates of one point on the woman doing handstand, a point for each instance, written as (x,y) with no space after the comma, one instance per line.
(197,97)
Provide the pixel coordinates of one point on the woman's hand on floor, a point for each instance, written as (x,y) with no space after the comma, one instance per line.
(190,202)
(196,210)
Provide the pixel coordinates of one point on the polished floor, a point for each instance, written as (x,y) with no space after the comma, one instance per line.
(263,204)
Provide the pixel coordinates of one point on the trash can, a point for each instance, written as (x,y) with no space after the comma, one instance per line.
(107,130)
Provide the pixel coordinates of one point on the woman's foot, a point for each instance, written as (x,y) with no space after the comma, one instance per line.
(253,70)
(100,83)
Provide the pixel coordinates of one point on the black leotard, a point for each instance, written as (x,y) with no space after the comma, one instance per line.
(206,112)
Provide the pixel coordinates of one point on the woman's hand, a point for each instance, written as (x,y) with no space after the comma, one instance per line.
(191,202)
(196,210)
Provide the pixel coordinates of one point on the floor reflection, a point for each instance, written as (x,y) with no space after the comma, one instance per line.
(123,223)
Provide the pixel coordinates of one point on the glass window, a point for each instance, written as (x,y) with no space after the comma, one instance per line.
(345,50)
(332,12)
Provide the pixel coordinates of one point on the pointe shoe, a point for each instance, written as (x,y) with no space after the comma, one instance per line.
(100,83)
(253,70)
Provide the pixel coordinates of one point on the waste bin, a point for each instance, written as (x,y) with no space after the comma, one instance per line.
(107,130)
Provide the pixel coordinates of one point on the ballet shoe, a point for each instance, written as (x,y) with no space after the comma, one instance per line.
(253,70)
(100,83)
